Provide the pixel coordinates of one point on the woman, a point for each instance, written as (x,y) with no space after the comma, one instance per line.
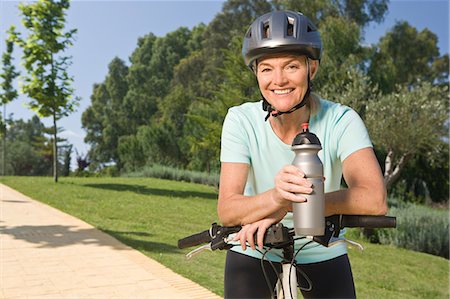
(257,183)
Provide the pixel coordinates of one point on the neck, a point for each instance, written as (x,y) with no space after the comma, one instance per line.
(287,126)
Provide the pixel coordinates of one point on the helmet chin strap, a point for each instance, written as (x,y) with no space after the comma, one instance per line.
(271,111)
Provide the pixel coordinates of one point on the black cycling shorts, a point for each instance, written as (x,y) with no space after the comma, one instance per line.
(244,278)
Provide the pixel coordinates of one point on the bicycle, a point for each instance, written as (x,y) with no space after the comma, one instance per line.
(280,237)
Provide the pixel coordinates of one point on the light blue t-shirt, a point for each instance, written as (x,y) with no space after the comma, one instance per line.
(247,138)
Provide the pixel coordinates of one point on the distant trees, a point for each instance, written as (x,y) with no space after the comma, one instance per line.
(31,149)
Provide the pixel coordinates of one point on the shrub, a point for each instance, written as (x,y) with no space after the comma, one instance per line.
(419,228)
(176,174)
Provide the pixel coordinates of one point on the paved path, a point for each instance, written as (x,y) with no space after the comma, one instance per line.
(45,253)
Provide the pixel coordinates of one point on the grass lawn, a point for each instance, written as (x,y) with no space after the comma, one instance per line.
(150,215)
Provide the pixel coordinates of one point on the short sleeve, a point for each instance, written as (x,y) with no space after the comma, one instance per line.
(351,134)
(234,141)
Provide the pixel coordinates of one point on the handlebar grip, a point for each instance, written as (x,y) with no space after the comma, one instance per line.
(194,240)
(368,221)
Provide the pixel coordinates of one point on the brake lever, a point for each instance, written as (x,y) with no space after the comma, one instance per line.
(334,241)
(198,250)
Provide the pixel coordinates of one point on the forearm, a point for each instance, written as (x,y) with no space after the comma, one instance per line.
(356,201)
(237,209)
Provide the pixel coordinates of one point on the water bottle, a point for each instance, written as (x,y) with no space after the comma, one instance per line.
(309,216)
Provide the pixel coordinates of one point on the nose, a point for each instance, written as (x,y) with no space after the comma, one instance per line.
(279,77)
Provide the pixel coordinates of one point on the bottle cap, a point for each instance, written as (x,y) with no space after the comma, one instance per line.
(306,137)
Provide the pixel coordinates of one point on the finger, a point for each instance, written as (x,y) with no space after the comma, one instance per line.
(260,236)
(292,196)
(295,188)
(294,179)
(237,236)
(251,237)
(293,169)
(242,239)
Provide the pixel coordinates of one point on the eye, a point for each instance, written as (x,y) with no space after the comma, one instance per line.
(265,69)
(292,67)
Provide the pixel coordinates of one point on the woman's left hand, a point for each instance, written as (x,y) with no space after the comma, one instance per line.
(247,233)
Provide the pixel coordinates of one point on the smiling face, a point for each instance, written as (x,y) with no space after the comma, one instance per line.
(283,79)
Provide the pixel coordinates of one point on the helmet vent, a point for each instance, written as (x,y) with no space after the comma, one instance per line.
(290,27)
(266,30)
(249,33)
(311,27)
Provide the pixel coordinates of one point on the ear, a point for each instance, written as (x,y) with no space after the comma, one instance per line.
(314,67)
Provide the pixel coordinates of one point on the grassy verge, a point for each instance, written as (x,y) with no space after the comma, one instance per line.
(152,214)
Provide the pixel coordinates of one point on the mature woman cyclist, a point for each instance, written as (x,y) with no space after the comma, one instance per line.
(257,183)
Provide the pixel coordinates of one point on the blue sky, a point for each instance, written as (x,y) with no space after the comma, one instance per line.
(111,28)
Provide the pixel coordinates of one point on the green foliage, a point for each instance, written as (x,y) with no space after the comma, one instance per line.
(419,228)
(176,92)
(425,178)
(159,145)
(404,56)
(106,119)
(47,83)
(341,43)
(206,116)
(361,12)
(130,152)
(346,85)
(8,71)
(129,99)
(7,92)
(414,122)
(28,148)
(176,174)
(31,154)
(65,158)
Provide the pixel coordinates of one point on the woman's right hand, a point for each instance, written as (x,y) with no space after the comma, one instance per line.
(290,184)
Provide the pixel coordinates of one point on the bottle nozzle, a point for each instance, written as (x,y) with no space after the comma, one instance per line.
(305,127)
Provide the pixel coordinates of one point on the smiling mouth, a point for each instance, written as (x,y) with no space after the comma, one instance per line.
(282,91)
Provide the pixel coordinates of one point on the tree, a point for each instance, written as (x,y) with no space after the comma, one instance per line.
(341,42)
(362,12)
(140,101)
(131,97)
(8,93)
(130,153)
(66,157)
(206,115)
(107,118)
(404,56)
(48,83)
(408,123)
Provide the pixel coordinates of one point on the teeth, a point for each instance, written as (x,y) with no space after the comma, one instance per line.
(283,91)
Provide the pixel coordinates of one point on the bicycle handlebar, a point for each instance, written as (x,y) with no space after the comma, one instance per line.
(368,221)
(196,239)
(278,233)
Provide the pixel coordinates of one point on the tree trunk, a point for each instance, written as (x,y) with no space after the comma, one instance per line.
(393,169)
(55,150)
